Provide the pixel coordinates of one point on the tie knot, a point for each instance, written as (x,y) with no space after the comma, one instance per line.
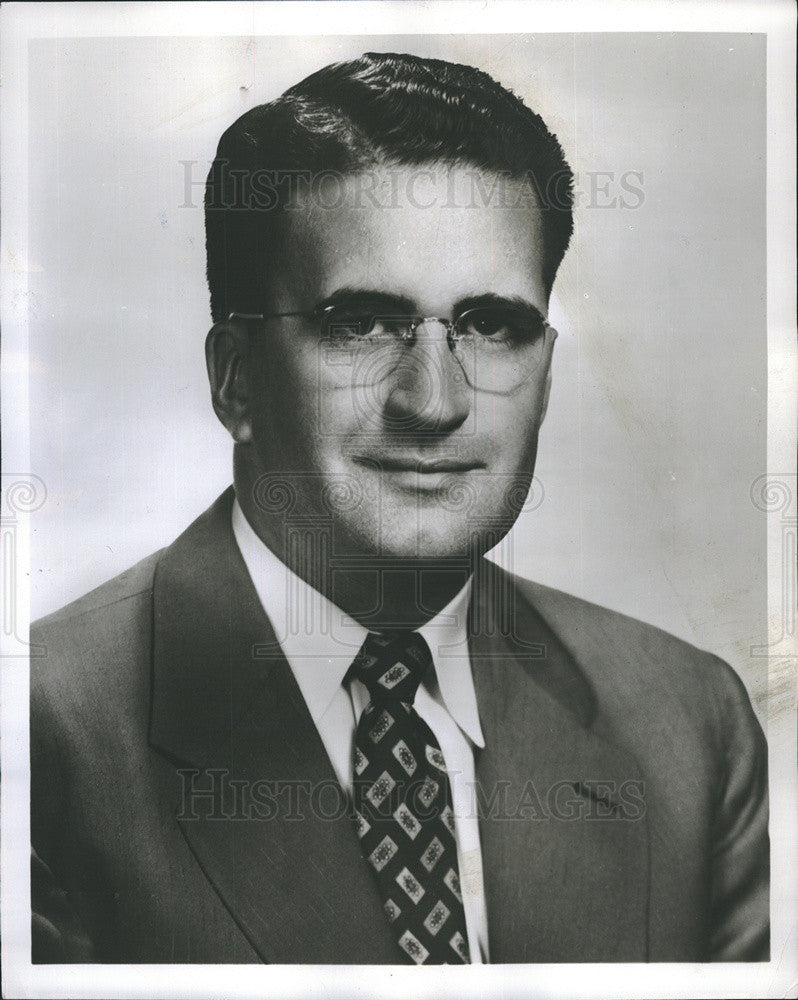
(392,665)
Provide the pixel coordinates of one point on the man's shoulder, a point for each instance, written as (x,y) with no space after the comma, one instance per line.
(627,657)
(126,594)
(588,619)
(92,650)
(89,673)
(109,599)
(658,696)
(100,646)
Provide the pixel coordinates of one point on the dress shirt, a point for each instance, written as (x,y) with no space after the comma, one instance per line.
(320,642)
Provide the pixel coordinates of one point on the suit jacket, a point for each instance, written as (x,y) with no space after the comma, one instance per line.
(622,788)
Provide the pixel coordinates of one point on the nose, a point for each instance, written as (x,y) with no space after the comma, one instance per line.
(428,389)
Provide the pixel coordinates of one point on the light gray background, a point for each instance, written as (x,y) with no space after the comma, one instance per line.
(657,423)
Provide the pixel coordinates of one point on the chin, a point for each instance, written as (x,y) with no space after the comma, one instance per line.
(444,543)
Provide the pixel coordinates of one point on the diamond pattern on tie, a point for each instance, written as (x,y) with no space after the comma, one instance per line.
(403,806)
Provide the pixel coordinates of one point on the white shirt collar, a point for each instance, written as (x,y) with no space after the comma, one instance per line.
(320,640)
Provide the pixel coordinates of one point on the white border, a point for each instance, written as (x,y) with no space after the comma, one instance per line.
(20,22)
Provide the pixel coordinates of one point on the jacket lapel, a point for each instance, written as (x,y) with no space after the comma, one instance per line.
(276,842)
(562,822)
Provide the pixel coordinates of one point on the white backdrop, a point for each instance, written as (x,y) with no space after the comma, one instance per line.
(657,423)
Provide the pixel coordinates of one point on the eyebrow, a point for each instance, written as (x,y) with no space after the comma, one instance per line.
(392,302)
(492,299)
(373,298)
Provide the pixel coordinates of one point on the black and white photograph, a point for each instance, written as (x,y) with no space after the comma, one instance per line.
(399,499)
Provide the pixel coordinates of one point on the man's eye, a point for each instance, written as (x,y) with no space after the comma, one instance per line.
(501,325)
(489,323)
(365,326)
(389,326)
(349,326)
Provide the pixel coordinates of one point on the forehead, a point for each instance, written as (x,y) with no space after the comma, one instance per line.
(430,233)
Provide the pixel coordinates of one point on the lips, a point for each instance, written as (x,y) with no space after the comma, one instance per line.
(419,465)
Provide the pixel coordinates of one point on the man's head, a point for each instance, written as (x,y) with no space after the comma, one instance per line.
(351,117)
(374,195)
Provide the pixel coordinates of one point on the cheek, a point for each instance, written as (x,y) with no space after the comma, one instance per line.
(509,427)
(297,420)
(282,402)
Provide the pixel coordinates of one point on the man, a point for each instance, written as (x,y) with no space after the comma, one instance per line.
(320,727)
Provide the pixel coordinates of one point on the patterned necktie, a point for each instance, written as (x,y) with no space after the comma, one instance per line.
(403,800)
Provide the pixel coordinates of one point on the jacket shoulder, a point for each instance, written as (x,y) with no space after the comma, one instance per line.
(133,582)
(635,664)
(601,627)
(91,651)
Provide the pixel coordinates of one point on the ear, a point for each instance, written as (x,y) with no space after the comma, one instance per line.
(226,351)
(547,387)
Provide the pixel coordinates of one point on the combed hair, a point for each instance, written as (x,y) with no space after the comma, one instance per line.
(381,108)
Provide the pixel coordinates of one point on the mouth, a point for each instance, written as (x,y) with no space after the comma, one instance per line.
(416,464)
(414,473)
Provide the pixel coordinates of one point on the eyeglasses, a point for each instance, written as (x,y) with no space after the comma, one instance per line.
(498,347)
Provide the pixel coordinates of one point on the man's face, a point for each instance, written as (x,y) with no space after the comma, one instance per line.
(409,460)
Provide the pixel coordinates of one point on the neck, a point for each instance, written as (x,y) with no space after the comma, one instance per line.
(396,595)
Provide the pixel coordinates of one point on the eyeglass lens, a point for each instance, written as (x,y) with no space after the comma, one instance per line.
(497,347)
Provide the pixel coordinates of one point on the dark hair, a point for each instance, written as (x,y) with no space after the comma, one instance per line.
(381,108)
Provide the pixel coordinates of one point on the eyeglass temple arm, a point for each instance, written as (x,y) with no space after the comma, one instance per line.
(303,312)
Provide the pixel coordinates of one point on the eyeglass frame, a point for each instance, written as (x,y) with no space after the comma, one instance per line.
(415,321)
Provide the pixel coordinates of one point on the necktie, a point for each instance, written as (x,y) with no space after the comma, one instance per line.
(403,804)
